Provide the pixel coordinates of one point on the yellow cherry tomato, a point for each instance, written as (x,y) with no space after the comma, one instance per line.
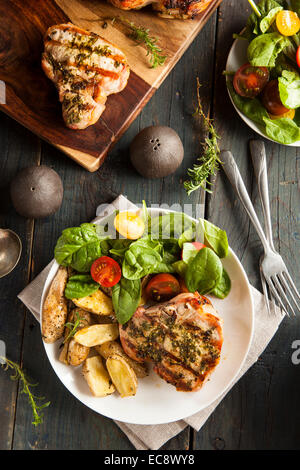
(129,225)
(290,114)
(287,22)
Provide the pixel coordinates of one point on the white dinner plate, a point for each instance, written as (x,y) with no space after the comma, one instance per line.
(236,58)
(157,402)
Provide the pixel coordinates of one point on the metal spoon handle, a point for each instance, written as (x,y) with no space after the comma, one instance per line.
(234,176)
(259,160)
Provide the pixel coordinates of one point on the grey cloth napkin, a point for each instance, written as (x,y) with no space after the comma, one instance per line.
(153,437)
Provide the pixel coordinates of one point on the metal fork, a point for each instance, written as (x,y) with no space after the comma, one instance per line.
(259,161)
(272,265)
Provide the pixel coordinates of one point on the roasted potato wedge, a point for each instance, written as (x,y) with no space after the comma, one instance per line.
(95,335)
(63,356)
(112,347)
(97,377)
(98,303)
(122,375)
(55,308)
(77,353)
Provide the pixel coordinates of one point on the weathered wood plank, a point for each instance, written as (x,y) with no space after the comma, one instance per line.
(261,412)
(18,149)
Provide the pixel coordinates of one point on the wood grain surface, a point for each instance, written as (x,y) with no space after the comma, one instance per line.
(31,98)
(262,410)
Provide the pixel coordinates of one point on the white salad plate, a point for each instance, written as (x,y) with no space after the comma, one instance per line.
(157,402)
(236,58)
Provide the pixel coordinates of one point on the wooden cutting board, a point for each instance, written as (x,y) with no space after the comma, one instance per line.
(31,98)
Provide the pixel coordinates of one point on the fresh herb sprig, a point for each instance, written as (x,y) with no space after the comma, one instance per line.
(142,36)
(210,160)
(73,327)
(19,374)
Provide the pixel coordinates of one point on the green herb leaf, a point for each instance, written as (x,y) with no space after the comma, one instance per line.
(19,374)
(214,237)
(209,162)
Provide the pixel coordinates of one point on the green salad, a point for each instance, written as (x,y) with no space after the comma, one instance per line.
(266,89)
(144,257)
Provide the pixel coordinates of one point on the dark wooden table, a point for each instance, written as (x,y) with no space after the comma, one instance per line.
(262,411)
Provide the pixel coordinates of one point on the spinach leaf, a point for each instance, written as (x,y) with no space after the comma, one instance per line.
(180,268)
(204,272)
(78,247)
(141,258)
(125,298)
(253,26)
(268,20)
(283,130)
(80,285)
(187,236)
(223,287)
(166,265)
(119,247)
(289,89)
(214,237)
(172,225)
(189,252)
(264,50)
(252,108)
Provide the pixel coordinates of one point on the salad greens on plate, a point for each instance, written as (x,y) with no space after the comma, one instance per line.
(172,250)
(266,89)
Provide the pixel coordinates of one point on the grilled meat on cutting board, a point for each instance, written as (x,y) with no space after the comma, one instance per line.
(85,69)
(183,337)
(183,9)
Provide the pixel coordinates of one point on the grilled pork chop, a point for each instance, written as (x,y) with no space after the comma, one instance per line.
(85,69)
(183,9)
(183,337)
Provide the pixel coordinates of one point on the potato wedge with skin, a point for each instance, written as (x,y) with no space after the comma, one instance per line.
(112,347)
(97,377)
(63,356)
(122,375)
(98,303)
(55,308)
(95,335)
(77,353)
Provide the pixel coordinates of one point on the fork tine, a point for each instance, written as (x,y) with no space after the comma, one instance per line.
(287,287)
(283,294)
(292,283)
(265,291)
(275,294)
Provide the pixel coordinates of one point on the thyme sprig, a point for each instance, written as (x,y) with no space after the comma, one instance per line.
(19,374)
(142,36)
(73,327)
(209,162)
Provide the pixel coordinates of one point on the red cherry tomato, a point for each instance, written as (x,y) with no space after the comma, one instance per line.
(271,99)
(162,287)
(298,56)
(249,81)
(106,271)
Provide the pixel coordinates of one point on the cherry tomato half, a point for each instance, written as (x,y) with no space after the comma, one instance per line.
(129,225)
(162,287)
(106,271)
(271,99)
(249,81)
(287,22)
(298,56)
